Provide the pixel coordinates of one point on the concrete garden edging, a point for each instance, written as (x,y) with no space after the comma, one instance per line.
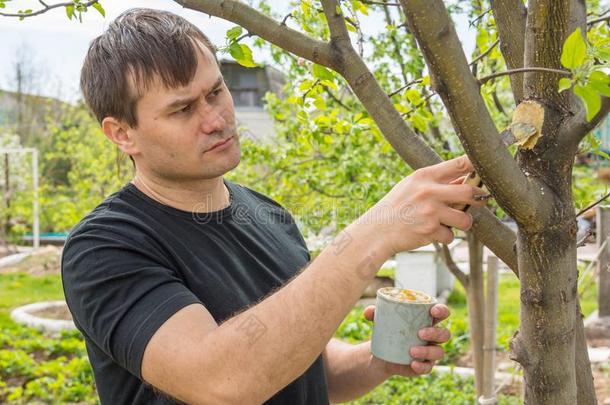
(24,315)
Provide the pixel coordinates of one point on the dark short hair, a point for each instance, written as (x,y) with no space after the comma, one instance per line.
(138,47)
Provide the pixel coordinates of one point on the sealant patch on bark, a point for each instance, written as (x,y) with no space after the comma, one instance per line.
(527,122)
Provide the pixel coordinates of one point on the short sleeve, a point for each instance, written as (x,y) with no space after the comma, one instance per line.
(119,293)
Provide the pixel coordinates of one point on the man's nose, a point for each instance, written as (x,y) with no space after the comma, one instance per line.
(211,120)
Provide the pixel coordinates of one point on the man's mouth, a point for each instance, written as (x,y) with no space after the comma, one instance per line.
(222,144)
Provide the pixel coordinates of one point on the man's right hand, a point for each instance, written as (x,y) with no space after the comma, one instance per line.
(417,211)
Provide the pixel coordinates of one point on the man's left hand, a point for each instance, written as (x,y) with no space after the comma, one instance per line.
(426,356)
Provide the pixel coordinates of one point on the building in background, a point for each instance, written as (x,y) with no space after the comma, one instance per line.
(248,87)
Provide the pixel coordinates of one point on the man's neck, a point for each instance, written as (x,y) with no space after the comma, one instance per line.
(204,196)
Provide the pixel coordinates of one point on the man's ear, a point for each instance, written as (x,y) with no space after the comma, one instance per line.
(120,134)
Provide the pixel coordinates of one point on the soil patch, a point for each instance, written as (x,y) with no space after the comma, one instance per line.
(61,313)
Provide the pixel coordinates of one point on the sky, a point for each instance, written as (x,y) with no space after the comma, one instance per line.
(57,46)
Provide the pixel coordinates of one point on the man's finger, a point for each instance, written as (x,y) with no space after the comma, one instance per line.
(455,219)
(435,335)
(449,170)
(369,312)
(460,193)
(431,352)
(440,312)
(421,367)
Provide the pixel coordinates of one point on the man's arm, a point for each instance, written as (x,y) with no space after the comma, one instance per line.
(351,370)
(261,350)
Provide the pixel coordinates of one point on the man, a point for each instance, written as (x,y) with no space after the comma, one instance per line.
(188,287)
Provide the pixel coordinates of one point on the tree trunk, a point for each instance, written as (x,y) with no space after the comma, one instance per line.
(476,304)
(489,340)
(7,195)
(544,346)
(603,230)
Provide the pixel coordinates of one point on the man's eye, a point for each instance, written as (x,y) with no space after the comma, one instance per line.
(187,108)
(216,92)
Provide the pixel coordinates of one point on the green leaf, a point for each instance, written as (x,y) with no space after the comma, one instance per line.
(322,73)
(482,39)
(329,83)
(242,54)
(305,84)
(70,11)
(564,84)
(360,7)
(234,32)
(351,28)
(413,96)
(236,52)
(574,50)
(419,122)
(600,82)
(591,99)
(601,77)
(305,7)
(99,8)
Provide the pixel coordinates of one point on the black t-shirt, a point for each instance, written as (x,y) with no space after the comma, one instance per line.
(132,263)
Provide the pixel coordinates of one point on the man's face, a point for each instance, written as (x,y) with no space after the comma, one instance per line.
(180,130)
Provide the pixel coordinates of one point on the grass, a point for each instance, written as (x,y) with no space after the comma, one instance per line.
(21,288)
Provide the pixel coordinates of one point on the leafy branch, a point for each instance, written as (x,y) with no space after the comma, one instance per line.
(582,211)
(406,86)
(484,54)
(70,7)
(485,79)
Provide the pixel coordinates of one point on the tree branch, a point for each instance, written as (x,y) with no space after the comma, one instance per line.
(578,126)
(484,54)
(578,16)
(265,27)
(452,80)
(445,254)
(545,36)
(336,23)
(397,54)
(582,211)
(510,16)
(485,79)
(472,23)
(45,9)
(597,20)
(406,86)
(380,3)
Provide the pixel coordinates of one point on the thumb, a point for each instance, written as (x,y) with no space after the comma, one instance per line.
(369,312)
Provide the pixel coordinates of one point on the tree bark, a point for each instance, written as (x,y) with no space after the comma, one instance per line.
(546,29)
(510,18)
(603,261)
(544,345)
(476,305)
(491,322)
